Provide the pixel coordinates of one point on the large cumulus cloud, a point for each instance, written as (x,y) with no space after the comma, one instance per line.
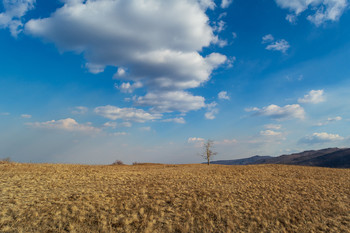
(157,43)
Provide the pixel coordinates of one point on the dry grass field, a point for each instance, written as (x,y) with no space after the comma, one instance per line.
(173,198)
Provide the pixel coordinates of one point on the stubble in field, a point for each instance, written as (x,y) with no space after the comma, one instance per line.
(173,198)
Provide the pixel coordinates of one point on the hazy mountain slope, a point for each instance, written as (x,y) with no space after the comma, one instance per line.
(246,161)
(298,158)
(329,157)
(339,159)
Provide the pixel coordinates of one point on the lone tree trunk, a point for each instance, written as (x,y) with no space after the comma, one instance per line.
(208,153)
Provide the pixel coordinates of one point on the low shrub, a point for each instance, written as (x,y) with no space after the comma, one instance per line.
(118,162)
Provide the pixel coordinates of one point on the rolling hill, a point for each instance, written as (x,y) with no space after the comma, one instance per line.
(246,161)
(329,157)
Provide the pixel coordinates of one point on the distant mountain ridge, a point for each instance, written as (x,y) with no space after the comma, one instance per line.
(329,157)
(246,161)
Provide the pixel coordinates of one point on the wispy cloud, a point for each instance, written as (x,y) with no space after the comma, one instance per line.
(267,39)
(80,110)
(272,126)
(195,139)
(26,116)
(12,16)
(323,137)
(118,134)
(128,88)
(329,120)
(110,124)
(219,26)
(280,45)
(146,128)
(292,18)
(223,95)
(280,113)
(225,3)
(275,45)
(212,111)
(179,120)
(269,132)
(324,10)
(67,124)
(226,142)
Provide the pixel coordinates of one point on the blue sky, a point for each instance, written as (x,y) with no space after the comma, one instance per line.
(149,81)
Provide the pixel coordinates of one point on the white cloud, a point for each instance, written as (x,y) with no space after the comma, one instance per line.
(223,95)
(67,124)
(225,3)
(215,59)
(221,43)
(291,18)
(275,45)
(79,110)
(272,126)
(314,97)
(110,124)
(280,45)
(118,134)
(195,140)
(114,125)
(128,88)
(211,105)
(270,133)
(329,120)
(125,124)
(324,10)
(222,15)
(95,68)
(226,142)
(14,11)
(337,118)
(219,26)
(234,35)
(321,138)
(179,120)
(171,101)
(267,39)
(146,128)
(147,38)
(211,115)
(212,111)
(4,113)
(207,4)
(230,62)
(128,114)
(293,78)
(280,113)
(120,72)
(26,116)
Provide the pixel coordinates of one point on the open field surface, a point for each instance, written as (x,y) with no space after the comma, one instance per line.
(173,198)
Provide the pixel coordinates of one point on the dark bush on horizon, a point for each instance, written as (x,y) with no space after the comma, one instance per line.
(118,162)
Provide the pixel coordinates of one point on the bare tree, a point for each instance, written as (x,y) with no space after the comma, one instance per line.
(208,153)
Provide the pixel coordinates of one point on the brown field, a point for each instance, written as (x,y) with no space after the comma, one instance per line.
(173,198)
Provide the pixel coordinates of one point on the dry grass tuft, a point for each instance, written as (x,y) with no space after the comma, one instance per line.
(148,164)
(176,198)
(5,160)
